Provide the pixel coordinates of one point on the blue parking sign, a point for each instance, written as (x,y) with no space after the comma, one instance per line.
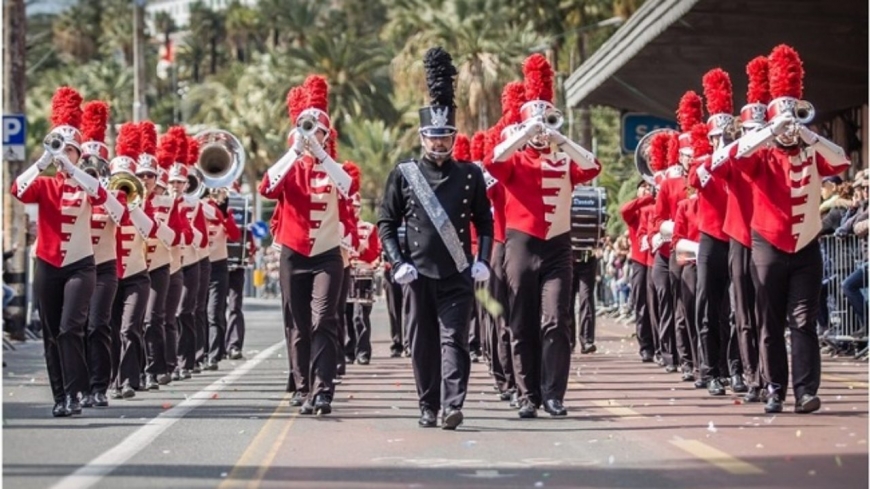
(14,137)
(635,126)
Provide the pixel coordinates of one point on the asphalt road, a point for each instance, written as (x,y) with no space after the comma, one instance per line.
(630,425)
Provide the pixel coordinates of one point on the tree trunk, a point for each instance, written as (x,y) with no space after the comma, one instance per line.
(213,55)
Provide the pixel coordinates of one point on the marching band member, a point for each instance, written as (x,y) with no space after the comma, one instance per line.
(157,207)
(672,188)
(437,198)
(738,216)
(235,296)
(538,181)
(646,233)
(308,182)
(166,157)
(185,314)
(786,259)
(366,258)
(103,224)
(134,286)
(685,239)
(65,276)
(631,214)
(347,338)
(221,228)
(203,251)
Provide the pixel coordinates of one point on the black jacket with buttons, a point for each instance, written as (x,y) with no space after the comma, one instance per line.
(460,189)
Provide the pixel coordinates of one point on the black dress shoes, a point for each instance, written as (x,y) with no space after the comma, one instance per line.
(737,384)
(774,405)
(700,384)
(363,359)
(100,399)
(808,403)
(590,348)
(88,401)
(235,354)
(128,392)
(527,410)
(322,404)
(752,395)
(307,408)
(555,408)
(73,405)
(646,357)
(151,383)
(60,410)
(452,419)
(688,376)
(210,365)
(714,388)
(669,369)
(427,418)
(298,399)
(395,353)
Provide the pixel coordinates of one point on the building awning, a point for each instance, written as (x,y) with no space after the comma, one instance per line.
(667,45)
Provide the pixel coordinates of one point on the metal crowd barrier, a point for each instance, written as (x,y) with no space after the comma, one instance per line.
(841,256)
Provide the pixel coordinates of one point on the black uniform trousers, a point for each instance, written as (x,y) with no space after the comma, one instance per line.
(201,315)
(681,323)
(235,316)
(218,288)
(583,286)
(788,295)
(643,322)
(652,306)
(538,274)
(666,321)
(393,293)
(187,332)
(310,292)
(740,261)
(500,334)
(438,318)
(346,332)
(361,319)
(155,322)
(689,335)
(474,327)
(173,299)
(99,340)
(128,317)
(64,296)
(712,307)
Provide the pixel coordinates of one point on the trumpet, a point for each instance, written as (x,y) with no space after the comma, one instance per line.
(96,167)
(195,186)
(804,112)
(306,124)
(53,143)
(130,184)
(553,119)
(221,160)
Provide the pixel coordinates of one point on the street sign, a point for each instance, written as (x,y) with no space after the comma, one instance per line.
(260,229)
(14,137)
(635,126)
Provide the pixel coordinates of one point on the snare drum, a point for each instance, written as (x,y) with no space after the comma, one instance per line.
(361,290)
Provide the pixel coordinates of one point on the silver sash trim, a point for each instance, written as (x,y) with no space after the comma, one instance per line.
(436,213)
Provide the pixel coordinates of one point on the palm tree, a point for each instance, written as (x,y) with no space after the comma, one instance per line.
(376,148)
(207,28)
(116,28)
(164,24)
(242,26)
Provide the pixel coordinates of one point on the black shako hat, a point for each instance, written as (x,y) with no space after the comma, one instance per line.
(438,118)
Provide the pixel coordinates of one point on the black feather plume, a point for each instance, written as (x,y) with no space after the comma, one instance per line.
(439,76)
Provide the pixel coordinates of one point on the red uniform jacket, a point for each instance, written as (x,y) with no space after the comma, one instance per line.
(686,222)
(369,248)
(712,199)
(786,192)
(538,190)
(738,210)
(671,191)
(64,220)
(631,215)
(647,213)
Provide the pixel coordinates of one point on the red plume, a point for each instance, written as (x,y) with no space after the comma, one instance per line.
(658,151)
(786,73)
(318,92)
(149,137)
(167,150)
(493,138)
(690,111)
(759,88)
(513,96)
(478,141)
(538,78)
(355,174)
(129,141)
(700,143)
(296,102)
(332,143)
(95,115)
(718,92)
(178,133)
(674,149)
(66,108)
(462,148)
(192,151)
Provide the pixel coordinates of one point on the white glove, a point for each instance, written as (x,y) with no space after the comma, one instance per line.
(556,137)
(809,137)
(657,242)
(405,274)
(533,128)
(298,142)
(781,124)
(317,150)
(480,272)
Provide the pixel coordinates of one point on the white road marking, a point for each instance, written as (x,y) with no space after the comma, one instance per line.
(92,472)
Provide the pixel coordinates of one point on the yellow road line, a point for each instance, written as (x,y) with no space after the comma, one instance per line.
(616,409)
(728,463)
(845,380)
(249,456)
(267,461)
